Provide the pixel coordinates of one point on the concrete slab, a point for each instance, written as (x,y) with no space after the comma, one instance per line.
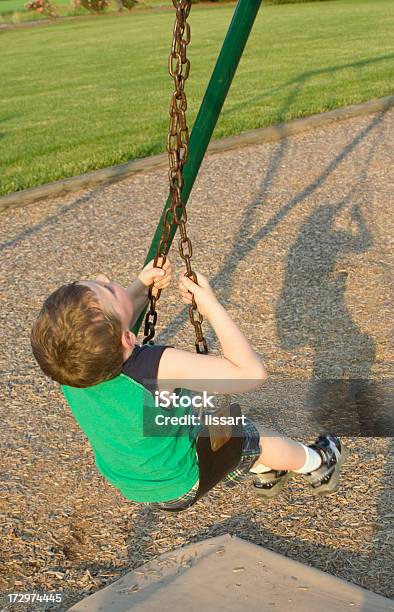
(228,573)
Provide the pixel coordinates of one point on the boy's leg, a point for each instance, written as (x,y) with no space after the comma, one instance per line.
(279,456)
(279,452)
(319,462)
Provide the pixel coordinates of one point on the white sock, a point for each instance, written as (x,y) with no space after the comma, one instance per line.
(260,468)
(313,461)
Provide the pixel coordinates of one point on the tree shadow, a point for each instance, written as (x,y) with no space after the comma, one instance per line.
(52,220)
(296,84)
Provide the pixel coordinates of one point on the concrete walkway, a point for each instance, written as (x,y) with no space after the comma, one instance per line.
(227,573)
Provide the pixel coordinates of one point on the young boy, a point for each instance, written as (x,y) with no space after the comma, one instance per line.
(82,340)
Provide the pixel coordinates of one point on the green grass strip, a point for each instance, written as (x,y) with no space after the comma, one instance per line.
(82,95)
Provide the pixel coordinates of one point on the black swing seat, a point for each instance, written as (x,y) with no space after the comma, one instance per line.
(215,465)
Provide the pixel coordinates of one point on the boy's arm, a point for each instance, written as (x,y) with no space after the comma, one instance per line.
(138,293)
(239,370)
(138,290)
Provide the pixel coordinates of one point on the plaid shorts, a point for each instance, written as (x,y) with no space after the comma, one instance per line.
(250,453)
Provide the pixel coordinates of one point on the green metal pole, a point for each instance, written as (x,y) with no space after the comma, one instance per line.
(211,106)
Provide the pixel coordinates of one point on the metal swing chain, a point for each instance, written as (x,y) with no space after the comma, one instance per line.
(177,148)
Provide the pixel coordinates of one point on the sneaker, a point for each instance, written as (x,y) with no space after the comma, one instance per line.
(325,478)
(269,484)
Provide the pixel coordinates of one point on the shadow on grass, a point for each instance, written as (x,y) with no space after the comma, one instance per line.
(297,84)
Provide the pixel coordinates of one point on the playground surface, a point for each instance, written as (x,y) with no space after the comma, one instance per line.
(265,221)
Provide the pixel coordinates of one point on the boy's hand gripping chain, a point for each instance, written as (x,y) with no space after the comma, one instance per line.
(177,147)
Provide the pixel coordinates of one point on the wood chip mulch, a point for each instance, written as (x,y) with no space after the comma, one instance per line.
(297,238)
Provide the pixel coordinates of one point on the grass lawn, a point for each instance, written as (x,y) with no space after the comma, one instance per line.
(81,95)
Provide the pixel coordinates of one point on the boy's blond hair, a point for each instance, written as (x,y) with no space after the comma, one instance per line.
(74,341)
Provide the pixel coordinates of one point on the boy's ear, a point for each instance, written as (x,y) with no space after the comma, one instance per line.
(128,339)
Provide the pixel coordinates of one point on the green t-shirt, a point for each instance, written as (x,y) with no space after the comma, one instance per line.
(118,419)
